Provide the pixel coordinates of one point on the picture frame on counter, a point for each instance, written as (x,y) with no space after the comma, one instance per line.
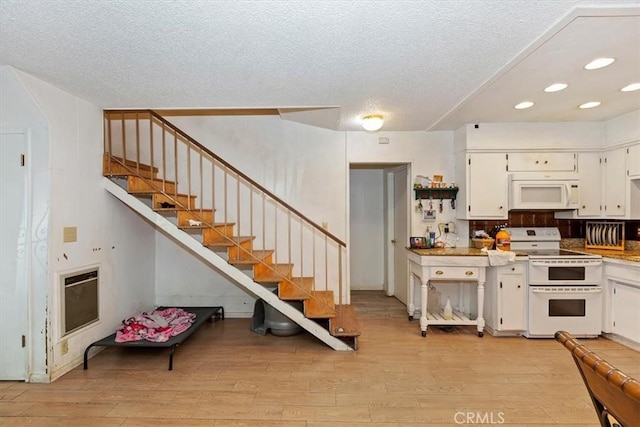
(418,242)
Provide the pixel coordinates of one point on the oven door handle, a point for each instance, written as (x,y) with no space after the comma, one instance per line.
(567,290)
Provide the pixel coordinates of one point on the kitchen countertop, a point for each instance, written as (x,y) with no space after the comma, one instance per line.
(633,256)
(452,252)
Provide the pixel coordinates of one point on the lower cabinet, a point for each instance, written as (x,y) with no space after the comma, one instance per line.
(622,300)
(506,299)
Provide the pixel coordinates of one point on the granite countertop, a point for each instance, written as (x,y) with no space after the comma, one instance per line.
(631,253)
(633,256)
(452,252)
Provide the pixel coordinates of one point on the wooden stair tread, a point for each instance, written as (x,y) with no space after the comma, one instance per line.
(282,271)
(131,163)
(231,241)
(320,305)
(258,256)
(345,324)
(296,288)
(203,225)
(138,185)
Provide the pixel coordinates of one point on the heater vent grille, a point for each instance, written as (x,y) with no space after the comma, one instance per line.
(80,300)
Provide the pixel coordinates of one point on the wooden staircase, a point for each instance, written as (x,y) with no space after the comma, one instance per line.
(142,181)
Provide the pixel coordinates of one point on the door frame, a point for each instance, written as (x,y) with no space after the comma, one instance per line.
(390,283)
(389,199)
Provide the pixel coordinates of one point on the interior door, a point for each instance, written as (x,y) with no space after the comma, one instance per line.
(14,232)
(400,231)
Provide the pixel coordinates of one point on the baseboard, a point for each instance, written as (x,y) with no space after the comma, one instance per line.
(39,378)
(496,333)
(622,340)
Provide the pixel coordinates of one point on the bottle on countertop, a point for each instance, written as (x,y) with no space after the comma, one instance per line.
(448,312)
(503,240)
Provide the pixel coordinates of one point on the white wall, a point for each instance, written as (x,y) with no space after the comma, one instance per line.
(427,154)
(625,128)
(303,165)
(104,227)
(530,136)
(367,229)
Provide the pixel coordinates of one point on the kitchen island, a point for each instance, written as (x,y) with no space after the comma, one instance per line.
(460,266)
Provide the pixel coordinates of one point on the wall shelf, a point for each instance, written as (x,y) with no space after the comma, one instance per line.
(436,193)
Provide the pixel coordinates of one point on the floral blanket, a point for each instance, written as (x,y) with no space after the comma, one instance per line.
(156,326)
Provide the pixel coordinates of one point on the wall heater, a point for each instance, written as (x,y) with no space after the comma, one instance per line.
(79,300)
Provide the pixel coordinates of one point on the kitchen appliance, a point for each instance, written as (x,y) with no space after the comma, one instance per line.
(547,191)
(564,287)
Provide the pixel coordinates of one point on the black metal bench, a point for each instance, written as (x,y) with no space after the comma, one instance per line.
(203,314)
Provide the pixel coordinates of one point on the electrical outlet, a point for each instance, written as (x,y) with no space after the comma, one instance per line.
(70,234)
(64,347)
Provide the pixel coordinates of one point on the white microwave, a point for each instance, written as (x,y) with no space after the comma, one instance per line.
(550,191)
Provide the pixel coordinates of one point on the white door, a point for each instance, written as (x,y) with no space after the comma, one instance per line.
(400,232)
(14,232)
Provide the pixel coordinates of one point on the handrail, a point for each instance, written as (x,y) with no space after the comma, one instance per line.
(235,170)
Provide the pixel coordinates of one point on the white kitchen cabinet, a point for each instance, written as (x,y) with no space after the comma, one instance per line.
(506,299)
(483,182)
(541,162)
(633,160)
(621,314)
(615,182)
(625,309)
(590,175)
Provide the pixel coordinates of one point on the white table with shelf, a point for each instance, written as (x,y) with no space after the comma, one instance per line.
(461,266)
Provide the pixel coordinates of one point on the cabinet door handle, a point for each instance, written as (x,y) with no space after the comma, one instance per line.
(545,162)
(518,286)
(439,272)
(469,273)
(500,208)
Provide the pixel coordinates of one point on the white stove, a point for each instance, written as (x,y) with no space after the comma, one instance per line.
(564,287)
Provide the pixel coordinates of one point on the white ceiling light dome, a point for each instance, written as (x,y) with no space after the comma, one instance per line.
(372,122)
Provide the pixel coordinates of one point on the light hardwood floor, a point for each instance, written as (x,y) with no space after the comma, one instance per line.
(225,375)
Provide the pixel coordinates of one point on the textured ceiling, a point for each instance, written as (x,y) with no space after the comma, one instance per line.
(425,65)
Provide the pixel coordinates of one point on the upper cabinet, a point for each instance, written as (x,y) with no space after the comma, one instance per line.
(633,161)
(541,162)
(482,178)
(615,182)
(590,173)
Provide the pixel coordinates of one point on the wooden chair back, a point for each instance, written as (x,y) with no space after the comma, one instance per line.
(612,392)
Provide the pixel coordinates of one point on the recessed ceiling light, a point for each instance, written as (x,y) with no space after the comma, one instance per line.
(590,104)
(523,105)
(556,87)
(631,87)
(599,63)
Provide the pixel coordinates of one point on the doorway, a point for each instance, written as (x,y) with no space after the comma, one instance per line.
(14,255)
(379,227)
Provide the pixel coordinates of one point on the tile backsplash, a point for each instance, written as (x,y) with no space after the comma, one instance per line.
(569,228)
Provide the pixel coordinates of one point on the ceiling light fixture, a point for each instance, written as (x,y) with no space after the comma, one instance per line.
(590,104)
(372,122)
(631,87)
(523,105)
(599,63)
(556,87)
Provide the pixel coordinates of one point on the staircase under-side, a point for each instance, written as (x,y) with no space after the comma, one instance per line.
(229,221)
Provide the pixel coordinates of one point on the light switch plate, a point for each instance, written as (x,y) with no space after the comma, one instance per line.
(70,234)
